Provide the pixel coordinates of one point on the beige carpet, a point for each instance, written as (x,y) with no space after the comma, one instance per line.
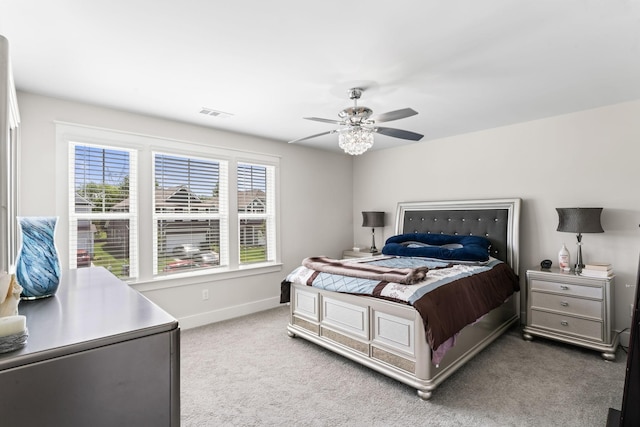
(248,372)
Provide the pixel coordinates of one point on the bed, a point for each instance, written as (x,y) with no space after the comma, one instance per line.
(391,337)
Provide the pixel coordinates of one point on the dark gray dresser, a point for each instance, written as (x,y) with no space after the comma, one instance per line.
(98,354)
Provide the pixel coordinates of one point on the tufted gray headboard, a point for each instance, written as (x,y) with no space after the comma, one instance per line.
(498,220)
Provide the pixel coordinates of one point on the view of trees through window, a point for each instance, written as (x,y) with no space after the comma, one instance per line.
(102,208)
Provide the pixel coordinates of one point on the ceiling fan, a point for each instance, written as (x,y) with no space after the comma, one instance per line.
(358,126)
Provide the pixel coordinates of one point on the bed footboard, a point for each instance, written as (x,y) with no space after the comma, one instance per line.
(388,337)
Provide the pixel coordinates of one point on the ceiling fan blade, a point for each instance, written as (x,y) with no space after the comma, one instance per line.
(313,136)
(318,119)
(395,115)
(399,133)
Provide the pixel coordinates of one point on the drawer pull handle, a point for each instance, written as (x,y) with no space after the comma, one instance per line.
(564,323)
(564,288)
(564,303)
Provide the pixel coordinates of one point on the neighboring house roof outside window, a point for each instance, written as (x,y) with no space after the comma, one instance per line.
(181,197)
(83,204)
(122,206)
(252,201)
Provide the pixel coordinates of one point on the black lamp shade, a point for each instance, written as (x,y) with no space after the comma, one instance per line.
(373,219)
(579,220)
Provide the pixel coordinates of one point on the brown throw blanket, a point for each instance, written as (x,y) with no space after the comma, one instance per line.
(406,276)
(449,308)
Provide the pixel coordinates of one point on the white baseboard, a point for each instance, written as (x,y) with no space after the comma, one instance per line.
(226,313)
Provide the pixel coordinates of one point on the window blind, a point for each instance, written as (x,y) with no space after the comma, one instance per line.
(190,213)
(256,212)
(103,209)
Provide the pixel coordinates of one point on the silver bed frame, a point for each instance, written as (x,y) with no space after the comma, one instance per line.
(389,337)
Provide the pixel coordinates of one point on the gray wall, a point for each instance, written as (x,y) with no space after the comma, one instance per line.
(585,159)
(315,199)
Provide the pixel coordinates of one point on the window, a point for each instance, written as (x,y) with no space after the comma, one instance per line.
(102,209)
(190,213)
(151,209)
(256,213)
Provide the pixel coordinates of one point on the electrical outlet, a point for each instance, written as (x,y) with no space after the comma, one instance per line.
(205,294)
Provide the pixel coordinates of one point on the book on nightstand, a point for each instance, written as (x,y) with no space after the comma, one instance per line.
(601,270)
(600,266)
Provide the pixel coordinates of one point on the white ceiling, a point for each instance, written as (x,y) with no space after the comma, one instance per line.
(464,65)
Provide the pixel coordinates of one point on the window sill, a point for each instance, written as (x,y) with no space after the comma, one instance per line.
(194,278)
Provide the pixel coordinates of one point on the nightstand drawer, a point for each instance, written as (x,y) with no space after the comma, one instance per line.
(567,304)
(567,288)
(590,329)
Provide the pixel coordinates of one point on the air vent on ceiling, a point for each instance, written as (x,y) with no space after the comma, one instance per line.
(215,113)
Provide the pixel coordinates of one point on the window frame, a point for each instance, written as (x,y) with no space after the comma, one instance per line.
(222,216)
(131,215)
(146,145)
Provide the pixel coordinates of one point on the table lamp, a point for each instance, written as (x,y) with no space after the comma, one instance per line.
(579,220)
(373,220)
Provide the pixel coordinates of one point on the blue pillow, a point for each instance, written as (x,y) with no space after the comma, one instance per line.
(441,246)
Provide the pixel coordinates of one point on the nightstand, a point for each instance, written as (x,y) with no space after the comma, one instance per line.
(359,254)
(570,308)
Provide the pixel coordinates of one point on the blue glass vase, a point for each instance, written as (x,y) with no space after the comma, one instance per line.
(38,266)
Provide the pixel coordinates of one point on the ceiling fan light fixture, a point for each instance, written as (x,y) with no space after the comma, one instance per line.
(355,140)
(358,127)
